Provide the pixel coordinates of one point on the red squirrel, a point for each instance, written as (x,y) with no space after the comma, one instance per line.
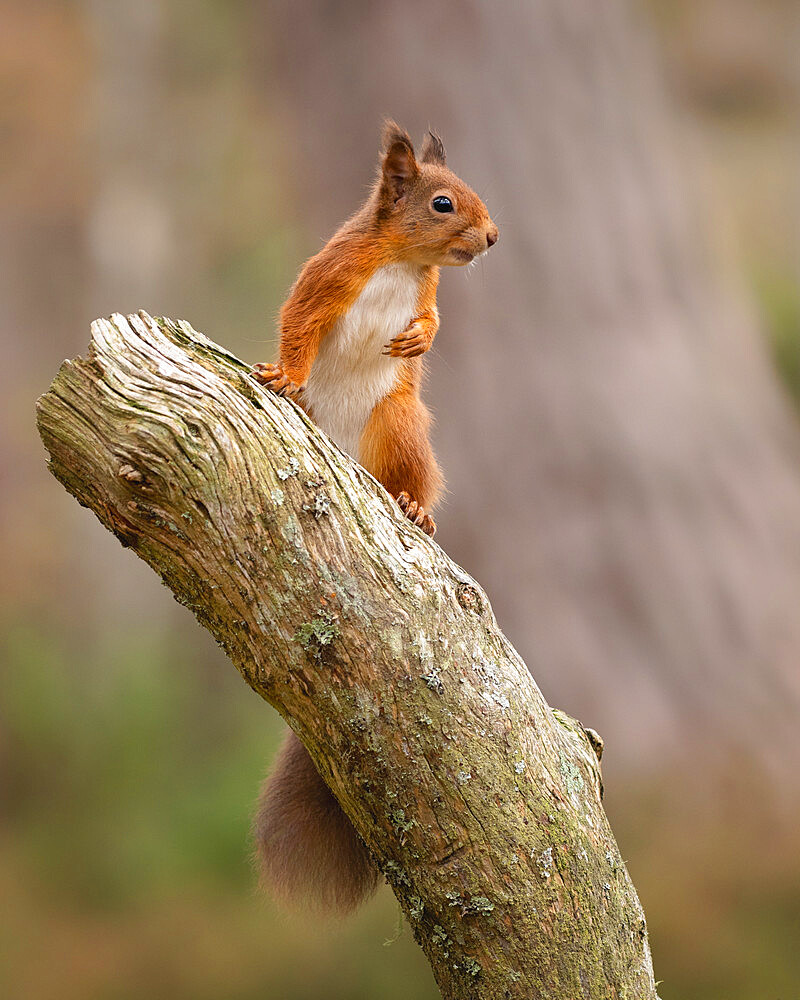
(353,331)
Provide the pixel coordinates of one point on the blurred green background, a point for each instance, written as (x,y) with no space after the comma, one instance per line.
(186,159)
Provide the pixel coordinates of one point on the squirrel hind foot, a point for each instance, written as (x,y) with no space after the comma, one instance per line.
(415,513)
(306,848)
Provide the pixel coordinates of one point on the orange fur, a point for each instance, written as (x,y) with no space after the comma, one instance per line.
(418,336)
(326,288)
(395,446)
(360,283)
(394,225)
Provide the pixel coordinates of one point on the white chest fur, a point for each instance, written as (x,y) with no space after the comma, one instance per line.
(350,374)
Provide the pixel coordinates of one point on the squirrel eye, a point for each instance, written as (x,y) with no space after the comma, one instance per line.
(442,204)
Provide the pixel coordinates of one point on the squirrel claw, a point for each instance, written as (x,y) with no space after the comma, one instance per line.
(412,342)
(273,378)
(416,514)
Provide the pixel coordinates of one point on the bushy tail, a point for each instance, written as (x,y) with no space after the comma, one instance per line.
(306,847)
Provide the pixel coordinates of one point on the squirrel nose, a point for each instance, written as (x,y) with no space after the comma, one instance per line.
(491,236)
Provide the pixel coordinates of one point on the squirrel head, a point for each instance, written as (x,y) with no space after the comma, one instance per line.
(429,214)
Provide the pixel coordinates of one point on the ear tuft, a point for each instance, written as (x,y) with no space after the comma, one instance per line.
(399,165)
(392,133)
(433,149)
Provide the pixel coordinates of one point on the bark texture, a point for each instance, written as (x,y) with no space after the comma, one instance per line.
(480,803)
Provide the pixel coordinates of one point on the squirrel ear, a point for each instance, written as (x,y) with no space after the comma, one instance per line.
(433,149)
(399,165)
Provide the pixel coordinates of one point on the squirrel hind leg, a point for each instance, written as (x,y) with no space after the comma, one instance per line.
(395,448)
(306,848)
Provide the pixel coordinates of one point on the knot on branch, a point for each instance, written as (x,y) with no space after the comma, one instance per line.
(469,598)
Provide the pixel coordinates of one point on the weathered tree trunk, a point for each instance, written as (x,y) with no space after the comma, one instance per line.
(481,804)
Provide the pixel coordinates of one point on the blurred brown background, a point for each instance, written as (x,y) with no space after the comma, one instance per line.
(615,389)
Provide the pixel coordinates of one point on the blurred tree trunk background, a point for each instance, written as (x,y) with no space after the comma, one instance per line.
(621,460)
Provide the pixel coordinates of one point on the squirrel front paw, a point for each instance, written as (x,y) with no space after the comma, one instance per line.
(412,342)
(272,377)
(415,513)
